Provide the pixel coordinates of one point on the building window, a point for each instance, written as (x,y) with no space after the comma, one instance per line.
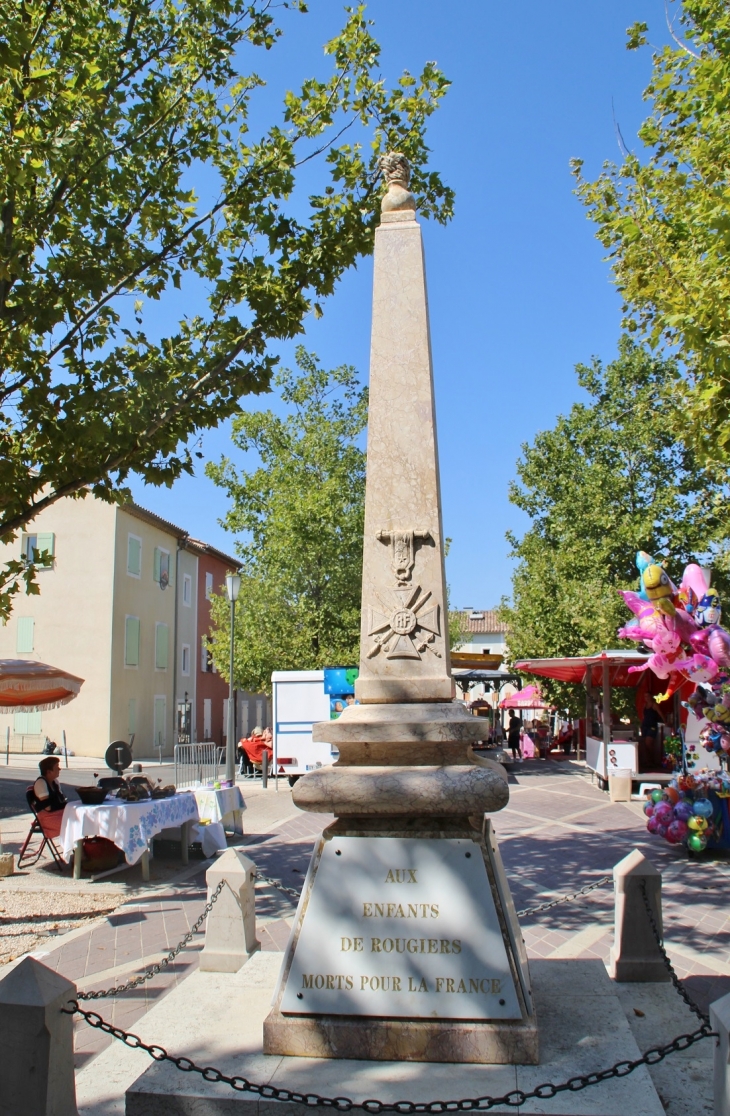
(24,639)
(208,586)
(185,658)
(134,556)
(26,724)
(206,659)
(131,641)
(35,546)
(162,571)
(187,589)
(161,634)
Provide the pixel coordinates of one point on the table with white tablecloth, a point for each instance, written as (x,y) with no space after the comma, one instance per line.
(129,825)
(217,805)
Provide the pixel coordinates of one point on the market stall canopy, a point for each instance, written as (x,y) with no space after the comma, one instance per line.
(584,668)
(25,684)
(529,698)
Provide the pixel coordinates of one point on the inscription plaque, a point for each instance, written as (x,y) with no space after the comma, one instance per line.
(400,927)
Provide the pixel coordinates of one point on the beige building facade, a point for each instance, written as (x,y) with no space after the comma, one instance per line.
(117,607)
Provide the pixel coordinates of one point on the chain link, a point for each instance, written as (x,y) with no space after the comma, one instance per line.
(565,898)
(290,891)
(701,1015)
(155,969)
(510,1100)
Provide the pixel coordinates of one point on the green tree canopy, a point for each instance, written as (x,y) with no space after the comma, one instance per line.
(109,111)
(608,480)
(664,215)
(301,512)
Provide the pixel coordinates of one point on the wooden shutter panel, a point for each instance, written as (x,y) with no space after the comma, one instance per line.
(161,641)
(156,571)
(134,556)
(47,543)
(24,636)
(131,641)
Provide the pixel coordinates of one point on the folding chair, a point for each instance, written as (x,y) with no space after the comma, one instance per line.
(36,830)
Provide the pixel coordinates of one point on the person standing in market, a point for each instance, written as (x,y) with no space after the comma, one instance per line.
(514,729)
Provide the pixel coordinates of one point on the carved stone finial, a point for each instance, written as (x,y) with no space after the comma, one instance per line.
(397,174)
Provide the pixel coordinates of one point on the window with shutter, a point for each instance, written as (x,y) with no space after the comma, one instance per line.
(131,641)
(134,556)
(187,589)
(156,567)
(25,634)
(185,658)
(47,543)
(209,585)
(161,634)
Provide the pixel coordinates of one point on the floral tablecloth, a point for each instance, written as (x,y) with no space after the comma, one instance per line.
(130,825)
(213,805)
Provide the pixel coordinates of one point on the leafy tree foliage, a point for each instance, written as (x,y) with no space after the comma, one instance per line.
(608,480)
(301,512)
(109,109)
(664,214)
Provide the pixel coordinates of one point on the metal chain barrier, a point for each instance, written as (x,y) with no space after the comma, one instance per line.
(155,969)
(514,1099)
(510,1100)
(701,1015)
(565,898)
(280,886)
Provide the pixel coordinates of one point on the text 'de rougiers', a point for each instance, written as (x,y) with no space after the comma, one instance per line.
(401,927)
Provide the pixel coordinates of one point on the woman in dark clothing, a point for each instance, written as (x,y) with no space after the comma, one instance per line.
(513,735)
(49,799)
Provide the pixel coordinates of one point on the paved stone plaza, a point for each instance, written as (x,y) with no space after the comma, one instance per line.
(558,833)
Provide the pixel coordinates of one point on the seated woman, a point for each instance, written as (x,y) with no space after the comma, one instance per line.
(49,800)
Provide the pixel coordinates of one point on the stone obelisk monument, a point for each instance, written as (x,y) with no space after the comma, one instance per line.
(406,945)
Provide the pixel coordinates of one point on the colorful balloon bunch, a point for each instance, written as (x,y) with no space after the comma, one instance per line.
(681,628)
(684,814)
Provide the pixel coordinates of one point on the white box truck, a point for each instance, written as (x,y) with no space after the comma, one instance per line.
(300,698)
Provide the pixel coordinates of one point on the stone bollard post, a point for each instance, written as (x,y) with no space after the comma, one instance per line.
(230,929)
(36,1040)
(720,1022)
(635,955)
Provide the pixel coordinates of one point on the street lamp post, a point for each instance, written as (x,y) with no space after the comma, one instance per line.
(233,586)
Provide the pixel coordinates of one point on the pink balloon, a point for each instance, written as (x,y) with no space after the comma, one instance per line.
(693,578)
(718,642)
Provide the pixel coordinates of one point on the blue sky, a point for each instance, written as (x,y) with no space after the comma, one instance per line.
(518,291)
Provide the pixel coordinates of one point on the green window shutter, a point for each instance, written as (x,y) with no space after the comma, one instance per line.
(161,646)
(134,556)
(20,723)
(131,641)
(47,543)
(34,723)
(156,570)
(171,569)
(24,638)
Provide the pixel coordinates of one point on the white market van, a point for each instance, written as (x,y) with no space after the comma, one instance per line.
(300,698)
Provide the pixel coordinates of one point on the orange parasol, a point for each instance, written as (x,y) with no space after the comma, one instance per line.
(25,684)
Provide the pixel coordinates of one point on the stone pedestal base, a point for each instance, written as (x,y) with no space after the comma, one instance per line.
(453,988)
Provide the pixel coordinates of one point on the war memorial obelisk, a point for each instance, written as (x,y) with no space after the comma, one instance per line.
(406,945)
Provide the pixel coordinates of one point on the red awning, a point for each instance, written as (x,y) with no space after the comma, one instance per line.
(574,669)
